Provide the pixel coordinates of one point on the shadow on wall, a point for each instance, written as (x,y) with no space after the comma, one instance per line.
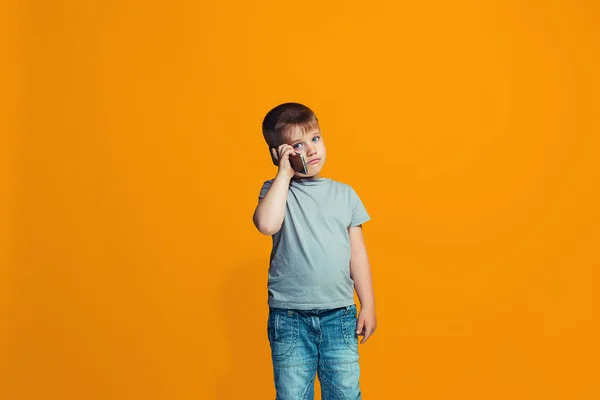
(244,313)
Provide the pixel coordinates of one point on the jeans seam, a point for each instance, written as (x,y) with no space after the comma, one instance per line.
(311,383)
(330,385)
(295,332)
(346,335)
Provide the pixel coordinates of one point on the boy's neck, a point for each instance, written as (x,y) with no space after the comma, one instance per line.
(308,178)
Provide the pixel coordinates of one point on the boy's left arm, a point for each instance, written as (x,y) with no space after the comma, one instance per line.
(360,272)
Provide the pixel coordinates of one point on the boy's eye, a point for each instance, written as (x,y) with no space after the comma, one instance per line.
(297,145)
(316,138)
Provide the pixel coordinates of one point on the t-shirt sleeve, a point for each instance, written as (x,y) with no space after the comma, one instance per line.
(265,189)
(359,213)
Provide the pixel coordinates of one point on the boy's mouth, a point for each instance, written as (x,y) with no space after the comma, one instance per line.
(316,160)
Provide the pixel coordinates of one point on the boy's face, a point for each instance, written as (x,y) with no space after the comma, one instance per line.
(311,146)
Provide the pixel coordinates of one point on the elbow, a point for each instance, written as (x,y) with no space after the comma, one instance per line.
(265,228)
(268,230)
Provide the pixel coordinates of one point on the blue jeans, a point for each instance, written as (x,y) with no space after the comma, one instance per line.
(304,343)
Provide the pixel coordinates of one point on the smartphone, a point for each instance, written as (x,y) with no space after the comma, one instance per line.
(298,162)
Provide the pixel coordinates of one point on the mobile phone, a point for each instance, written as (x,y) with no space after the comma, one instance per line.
(298,162)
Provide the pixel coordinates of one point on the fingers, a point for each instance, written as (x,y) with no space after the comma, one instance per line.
(285,151)
(368,331)
(365,327)
(360,325)
(285,148)
(282,148)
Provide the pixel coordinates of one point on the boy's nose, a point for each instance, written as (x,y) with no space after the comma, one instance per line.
(310,150)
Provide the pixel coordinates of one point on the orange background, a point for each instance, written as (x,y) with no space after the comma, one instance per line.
(468,128)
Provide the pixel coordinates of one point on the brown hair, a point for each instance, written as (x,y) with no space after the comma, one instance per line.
(282,119)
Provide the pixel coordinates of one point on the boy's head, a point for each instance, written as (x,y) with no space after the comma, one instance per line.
(296,125)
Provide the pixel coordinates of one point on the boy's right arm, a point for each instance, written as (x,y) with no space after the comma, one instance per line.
(268,216)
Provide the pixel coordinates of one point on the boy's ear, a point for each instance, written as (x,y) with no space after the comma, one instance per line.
(274,155)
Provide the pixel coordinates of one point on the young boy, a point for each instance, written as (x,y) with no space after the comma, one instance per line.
(318,259)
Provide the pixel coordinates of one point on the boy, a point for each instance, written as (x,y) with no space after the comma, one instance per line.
(318,259)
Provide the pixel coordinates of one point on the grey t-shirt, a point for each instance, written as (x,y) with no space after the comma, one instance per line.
(310,259)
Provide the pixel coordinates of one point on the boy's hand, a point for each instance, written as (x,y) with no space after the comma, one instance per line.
(367,322)
(283,154)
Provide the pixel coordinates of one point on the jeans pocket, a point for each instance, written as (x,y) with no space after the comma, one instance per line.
(349,322)
(282,331)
